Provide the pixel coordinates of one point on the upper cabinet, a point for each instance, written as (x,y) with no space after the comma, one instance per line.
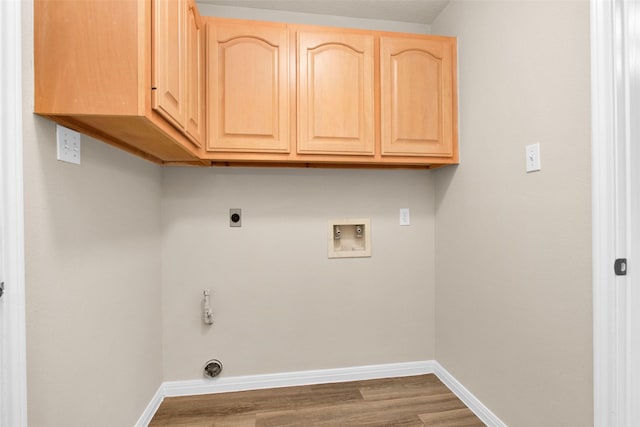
(155,78)
(299,94)
(417,96)
(195,76)
(170,60)
(248,87)
(178,66)
(335,93)
(117,71)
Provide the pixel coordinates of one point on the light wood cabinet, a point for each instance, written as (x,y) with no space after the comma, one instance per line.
(178,73)
(95,73)
(195,76)
(155,78)
(170,60)
(248,87)
(335,106)
(349,97)
(417,96)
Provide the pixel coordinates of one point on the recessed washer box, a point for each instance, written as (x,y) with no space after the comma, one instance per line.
(349,238)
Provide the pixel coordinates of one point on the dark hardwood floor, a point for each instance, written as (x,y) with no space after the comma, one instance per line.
(403,402)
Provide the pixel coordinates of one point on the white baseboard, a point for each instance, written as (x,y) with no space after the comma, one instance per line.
(151,408)
(289,379)
(481,411)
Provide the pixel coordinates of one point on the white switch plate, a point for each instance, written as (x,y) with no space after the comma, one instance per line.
(68,145)
(533,157)
(405,216)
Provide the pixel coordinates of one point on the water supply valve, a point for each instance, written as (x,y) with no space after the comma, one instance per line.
(337,233)
(206,309)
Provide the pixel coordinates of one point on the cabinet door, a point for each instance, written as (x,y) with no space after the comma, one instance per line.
(195,76)
(248,87)
(335,93)
(168,73)
(417,105)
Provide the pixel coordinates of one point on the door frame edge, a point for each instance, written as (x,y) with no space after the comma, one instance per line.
(13,371)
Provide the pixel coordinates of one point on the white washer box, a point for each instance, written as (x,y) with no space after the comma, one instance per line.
(349,238)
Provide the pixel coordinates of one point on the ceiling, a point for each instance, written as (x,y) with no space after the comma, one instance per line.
(416,11)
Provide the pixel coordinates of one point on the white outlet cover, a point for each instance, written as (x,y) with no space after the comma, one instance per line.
(68,145)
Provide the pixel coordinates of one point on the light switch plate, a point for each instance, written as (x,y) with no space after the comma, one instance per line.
(68,145)
(533,157)
(405,216)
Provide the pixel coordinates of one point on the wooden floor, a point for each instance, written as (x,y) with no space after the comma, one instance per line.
(409,401)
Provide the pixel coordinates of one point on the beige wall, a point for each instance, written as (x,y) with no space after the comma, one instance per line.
(97,252)
(92,237)
(280,304)
(310,19)
(513,315)
(513,267)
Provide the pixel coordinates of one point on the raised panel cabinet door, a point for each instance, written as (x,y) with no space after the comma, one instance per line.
(195,76)
(417,105)
(169,60)
(335,93)
(248,87)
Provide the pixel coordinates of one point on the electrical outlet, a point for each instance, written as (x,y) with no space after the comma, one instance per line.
(68,145)
(235,217)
